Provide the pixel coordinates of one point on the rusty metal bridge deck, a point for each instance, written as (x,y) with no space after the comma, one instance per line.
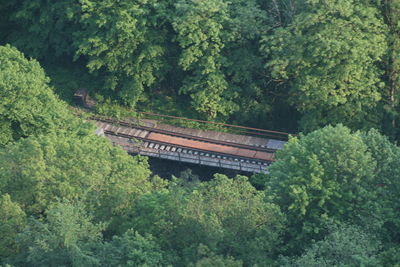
(239,152)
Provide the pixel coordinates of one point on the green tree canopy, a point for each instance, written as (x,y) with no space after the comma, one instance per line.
(328,57)
(67,237)
(243,64)
(324,175)
(228,216)
(37,170)
(207,258)
(42,29)
(386,187)
(391,11)
(345,245)
(129,50)
(28,105)
(198,25)
(131,249)
(12,221)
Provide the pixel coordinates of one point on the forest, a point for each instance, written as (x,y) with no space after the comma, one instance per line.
(328,70)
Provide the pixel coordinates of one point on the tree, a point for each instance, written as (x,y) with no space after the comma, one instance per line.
(131,249)
(42,29)
(12,221)
(37,171)
(391,11)
(244,65)
(27,103)
(226,216)
(6,25)
(121,43)
(67,237)
(198,25)
(210,259)
(325,175)
(386,187)
(345,245)
(328,58)
(390,257)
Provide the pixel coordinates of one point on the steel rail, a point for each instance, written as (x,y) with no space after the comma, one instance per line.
(107,132)
(186,136)
(222,124)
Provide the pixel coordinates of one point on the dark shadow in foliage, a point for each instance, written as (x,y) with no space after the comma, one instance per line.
(344,245)
(228,216)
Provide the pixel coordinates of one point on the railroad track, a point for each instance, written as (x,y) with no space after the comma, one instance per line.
(154,142)
(168,147)
(141,132)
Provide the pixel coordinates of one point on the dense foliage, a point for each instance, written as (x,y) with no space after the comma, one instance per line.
(328,57)
(329,68)
(28,105)
(220,215)
(333,175)
(237,61)
(346,245)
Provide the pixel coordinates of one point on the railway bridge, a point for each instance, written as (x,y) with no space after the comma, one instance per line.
(224,150)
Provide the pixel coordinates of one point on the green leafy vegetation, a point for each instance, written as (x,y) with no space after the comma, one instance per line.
(345,245)
(323,175)
(28,106)
(328,58)
(284,64)
(327,68)
(13,220)
(333,174)
(220,215)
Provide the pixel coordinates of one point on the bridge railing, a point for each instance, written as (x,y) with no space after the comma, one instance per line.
(197,159)
(84,98)
(263,133)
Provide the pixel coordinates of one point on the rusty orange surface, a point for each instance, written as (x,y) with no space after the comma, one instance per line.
(210,147)
(264,155)
(246,153)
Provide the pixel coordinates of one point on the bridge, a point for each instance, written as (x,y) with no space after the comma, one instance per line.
(247,153)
